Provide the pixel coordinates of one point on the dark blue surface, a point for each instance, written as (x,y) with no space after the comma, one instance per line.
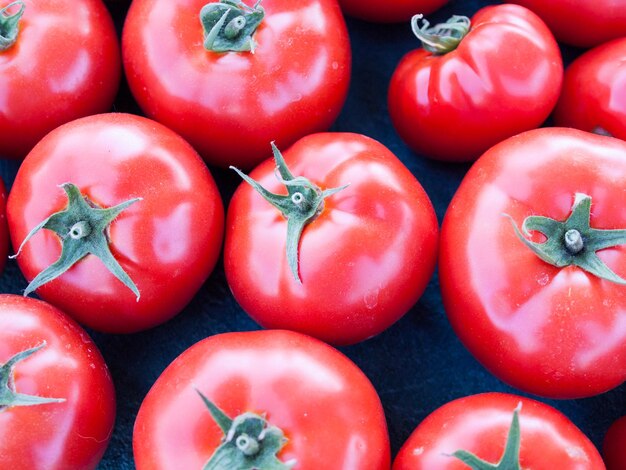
(417,365)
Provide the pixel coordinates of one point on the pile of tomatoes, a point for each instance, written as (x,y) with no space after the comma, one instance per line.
(265,235)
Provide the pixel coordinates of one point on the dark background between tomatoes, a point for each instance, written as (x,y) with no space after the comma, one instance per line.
(418,364)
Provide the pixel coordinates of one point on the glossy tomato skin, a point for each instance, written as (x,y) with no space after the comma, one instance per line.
(56,436)
(229,106)
(168,242)
(582,23)
(66,61)
(594,91)
(364,261)
(389,12)
(614,445)
(326,407)
(503,78)
(480,424)
(554,332)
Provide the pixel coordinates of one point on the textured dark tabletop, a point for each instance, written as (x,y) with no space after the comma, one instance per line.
(418,364)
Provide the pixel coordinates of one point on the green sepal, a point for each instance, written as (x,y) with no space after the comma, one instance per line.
(558,251)
(10,24)
(443,37)
(82,227)
(249,442)
(302,204)
(8,396)
(510,457)
(229,25)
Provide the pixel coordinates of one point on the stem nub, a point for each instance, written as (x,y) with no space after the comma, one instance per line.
(443,37)
(573,241)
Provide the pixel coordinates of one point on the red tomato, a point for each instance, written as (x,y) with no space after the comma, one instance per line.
(389,12)
(65,64)
(4,230)
(582,23)
(58,435)
(614,445)
(167,243)
(553,331)
(229,106)
(481,424)
(594,91)
(364,260)
(324,405)
(504,77)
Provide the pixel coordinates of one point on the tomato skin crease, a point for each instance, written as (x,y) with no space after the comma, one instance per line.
(326,407)
(363,262)
(533,325)
(55,436)
(168,242)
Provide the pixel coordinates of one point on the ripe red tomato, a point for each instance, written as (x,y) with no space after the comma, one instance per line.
(230,105)
(167,243)
(308,393)
(60,363)
(483,424)
(614,445)
(553,331)
(582,23)
(503,77)
(594,91)
(389,12)
(64,64)
(365,257)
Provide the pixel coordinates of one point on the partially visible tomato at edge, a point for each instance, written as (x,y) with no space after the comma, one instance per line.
(614,445)
(389,12)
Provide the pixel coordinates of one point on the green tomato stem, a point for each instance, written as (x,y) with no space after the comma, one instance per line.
(10,24)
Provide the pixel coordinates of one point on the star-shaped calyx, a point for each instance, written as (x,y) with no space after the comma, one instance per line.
(573,241)
(510,457)
(9,397)
(229,25)
(10,24)
(82,227)
(249,442)
(302,204)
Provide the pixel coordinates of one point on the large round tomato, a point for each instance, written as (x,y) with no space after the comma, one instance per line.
(614,444)
(56,365)
(483,425)
(594,91)
(540,306)
(364,258)
(318,409)
(63,64)
(166,242)
(582,23)
(230,105)
(499,79)
(389,12)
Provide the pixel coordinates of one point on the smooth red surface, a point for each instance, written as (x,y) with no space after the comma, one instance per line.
(582,23)
(64,65)
(503,78)
(364,261)
(168,243)
(56,436)
(326,407)
(389,12)
(614,446)
(480,424)
(230,106)
(594,91)
(556,332)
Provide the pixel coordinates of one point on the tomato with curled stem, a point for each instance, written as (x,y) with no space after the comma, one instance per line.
(231,76)
(389,12)
(475,82)
(533,262)
(274,399)
(57,402)
(339,244)
(59,61)
(116,220)
(497,431)
(594,91)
